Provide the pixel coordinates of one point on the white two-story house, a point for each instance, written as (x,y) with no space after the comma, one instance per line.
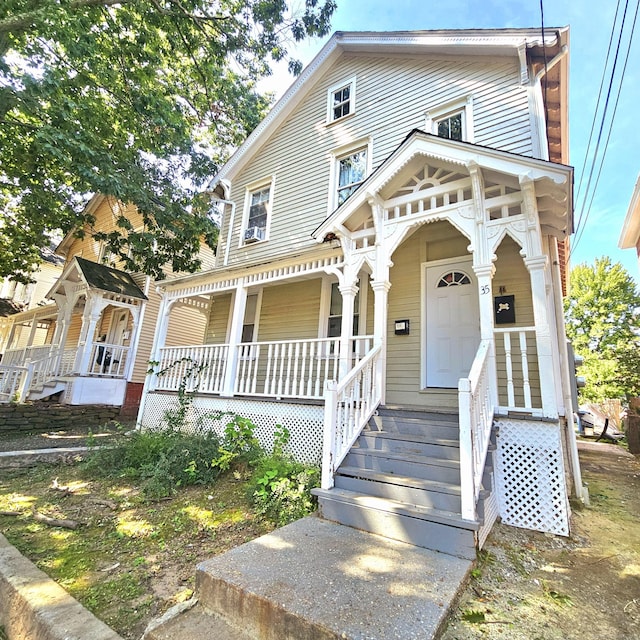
(388,284)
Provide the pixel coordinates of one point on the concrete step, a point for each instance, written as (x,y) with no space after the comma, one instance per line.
(444,448)
(318,580)
(434,529)
(424,467)
(197,622)
(426,493)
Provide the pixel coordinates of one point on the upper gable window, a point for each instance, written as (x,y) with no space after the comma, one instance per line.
(341,100)
(451,127)
(453,120)
(257,212)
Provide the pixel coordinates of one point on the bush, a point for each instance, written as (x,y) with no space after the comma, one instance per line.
(281,487)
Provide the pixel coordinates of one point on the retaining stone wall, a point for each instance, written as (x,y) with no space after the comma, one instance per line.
(50,417)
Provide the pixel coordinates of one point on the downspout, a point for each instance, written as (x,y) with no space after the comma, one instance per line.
(136,337)
(229,230)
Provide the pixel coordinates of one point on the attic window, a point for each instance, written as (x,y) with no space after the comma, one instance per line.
(341,100)
(453,120)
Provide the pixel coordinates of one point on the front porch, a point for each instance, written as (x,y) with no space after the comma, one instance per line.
(82,346)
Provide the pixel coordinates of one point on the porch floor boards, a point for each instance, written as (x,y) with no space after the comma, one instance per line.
(401,479)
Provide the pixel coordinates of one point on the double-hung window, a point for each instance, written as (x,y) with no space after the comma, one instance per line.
(341,100)
(450,127)
(334,326)
(351,171)
(257,216)
(453,120)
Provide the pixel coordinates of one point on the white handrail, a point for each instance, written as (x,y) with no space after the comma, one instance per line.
(348,406)
(476,407)
(13,380)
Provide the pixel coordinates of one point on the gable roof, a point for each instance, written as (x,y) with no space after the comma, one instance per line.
(459,153)
(527,45)
(100,277)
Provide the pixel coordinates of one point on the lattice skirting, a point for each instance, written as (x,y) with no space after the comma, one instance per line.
(491,509)
(530,476)
(304,421)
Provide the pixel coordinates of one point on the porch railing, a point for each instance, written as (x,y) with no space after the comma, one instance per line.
(476,406)
(18,357)
(108,360)
(200,367)
(13,380)
(279,369)
(518,348)
(348,406)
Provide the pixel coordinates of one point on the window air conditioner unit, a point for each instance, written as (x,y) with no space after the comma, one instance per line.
(253,234)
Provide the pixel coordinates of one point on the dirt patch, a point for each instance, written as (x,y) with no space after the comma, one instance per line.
(534,586)
(129,559)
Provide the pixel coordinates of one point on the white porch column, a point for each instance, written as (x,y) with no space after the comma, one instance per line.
(536,267)
(92,311)
(348,292)
(63,321)
(484,274)
(32,331)
(380,314)
(235,338)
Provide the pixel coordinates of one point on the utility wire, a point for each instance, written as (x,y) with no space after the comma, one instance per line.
(606,146)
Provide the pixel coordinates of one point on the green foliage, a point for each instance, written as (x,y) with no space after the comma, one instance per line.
(139,100)
(602,313)
(280,486)
(472,616)
(162,460)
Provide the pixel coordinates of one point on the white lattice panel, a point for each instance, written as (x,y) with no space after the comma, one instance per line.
(530,476)
(304,421)
(491,507)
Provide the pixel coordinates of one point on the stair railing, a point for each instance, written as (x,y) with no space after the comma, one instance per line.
(14,381)
(348,405)
(476,395)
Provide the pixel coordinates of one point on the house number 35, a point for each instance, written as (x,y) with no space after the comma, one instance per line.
(484,289)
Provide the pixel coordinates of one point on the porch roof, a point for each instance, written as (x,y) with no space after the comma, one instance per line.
(456,153)
(101,277)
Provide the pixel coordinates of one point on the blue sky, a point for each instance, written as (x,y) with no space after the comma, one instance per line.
(591,26)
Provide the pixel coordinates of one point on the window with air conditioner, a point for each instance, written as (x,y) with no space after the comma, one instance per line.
(257,217)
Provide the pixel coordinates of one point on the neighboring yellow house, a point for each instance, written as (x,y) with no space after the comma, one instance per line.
(92,344)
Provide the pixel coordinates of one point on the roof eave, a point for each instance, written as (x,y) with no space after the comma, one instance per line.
(630,234)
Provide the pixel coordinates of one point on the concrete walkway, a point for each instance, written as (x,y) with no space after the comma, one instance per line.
(315,579)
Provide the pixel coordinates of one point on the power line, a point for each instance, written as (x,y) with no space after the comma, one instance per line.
(597,160)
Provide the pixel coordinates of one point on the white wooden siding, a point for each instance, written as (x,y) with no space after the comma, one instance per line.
(393,95)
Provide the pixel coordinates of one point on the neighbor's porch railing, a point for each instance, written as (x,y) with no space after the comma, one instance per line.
(349,404)
(18,357)
(108,360)
(476,401)
(13,380)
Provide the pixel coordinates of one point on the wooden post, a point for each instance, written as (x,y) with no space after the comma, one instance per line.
(329,434)
(467,490)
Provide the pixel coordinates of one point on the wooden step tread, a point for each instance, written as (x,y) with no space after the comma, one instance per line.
(398,508)
(407,457)
(403,481)
(409,437)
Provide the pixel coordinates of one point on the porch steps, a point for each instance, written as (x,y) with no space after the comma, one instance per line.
(48,389)
(401,480)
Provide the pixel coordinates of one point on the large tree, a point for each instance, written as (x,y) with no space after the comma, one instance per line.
(602,313)
(136,99)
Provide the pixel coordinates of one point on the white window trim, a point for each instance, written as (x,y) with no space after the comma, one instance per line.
(461,105)
(336,156)
(250,189)
(350,82)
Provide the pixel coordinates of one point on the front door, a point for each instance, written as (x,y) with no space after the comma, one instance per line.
(118,327)
(452,322)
